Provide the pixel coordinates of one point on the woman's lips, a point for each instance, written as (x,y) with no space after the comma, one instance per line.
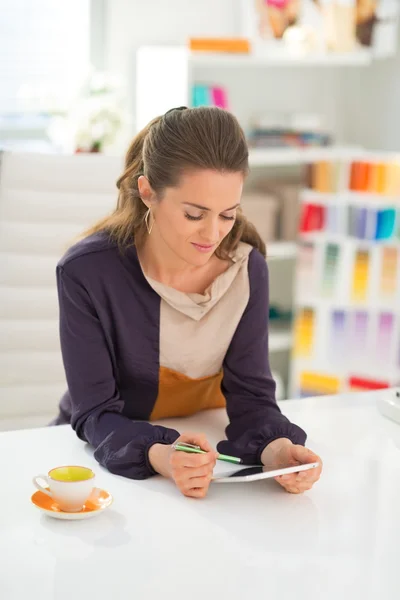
(203,248)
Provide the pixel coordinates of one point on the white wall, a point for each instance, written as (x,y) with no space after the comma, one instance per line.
(371,105)
(131,23)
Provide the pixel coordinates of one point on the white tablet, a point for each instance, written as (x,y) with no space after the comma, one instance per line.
(255,473)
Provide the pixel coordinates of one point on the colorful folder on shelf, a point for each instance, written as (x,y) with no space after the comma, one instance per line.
(358,221)
(359,176)
(304,332)
(388,272)
(322,177)
(363,384)
(339,335)
(393,179)
(315,384)
(385,223)
(219,97)
(384,341)
(329,275)
(375,177)
(333,219)
(206,95)
(305,276)
(360,276)
(201,95)
(359,327)
(225,45)
(312,217)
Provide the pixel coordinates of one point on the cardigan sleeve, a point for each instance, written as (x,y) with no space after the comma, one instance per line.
(120,444)
(255,419)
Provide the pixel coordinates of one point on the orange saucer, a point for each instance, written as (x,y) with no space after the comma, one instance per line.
(94,506)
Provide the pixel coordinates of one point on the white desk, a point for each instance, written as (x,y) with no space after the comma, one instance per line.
(341,540)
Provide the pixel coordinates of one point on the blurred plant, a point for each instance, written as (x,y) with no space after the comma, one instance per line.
(95,117)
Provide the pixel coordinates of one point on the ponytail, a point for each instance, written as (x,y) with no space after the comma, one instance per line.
(126,225)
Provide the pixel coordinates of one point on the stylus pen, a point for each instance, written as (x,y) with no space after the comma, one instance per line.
(183,447)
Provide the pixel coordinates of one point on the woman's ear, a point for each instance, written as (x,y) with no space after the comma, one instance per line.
(145,190)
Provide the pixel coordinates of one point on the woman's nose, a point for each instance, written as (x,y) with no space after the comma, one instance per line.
(210,231)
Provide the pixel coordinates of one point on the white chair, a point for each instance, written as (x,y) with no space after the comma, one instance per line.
(46,201)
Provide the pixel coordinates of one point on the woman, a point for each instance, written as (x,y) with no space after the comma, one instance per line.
(164,312)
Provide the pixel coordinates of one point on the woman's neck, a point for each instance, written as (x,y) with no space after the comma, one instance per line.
(159,262)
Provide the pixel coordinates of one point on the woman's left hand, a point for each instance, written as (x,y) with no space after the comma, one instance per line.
(283,453)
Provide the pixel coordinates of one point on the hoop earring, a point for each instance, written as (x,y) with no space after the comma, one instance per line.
(146,220)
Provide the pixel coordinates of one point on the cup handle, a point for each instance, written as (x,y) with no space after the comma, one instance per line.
(36,483)
(95,494)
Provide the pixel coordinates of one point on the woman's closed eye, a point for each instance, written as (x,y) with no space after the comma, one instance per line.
(228,218)
(193,217)
(199,217)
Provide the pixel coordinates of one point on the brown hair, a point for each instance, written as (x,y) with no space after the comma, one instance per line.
(181,140)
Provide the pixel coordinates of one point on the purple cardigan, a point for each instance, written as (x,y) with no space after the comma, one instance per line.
(109,328)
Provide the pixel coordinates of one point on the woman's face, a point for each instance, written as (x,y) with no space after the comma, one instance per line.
(192,219)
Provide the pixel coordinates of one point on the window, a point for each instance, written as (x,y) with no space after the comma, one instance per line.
(44,53)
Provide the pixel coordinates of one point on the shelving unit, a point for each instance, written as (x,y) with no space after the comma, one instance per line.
(347,327)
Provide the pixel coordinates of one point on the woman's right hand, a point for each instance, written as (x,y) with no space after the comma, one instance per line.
(192,473)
